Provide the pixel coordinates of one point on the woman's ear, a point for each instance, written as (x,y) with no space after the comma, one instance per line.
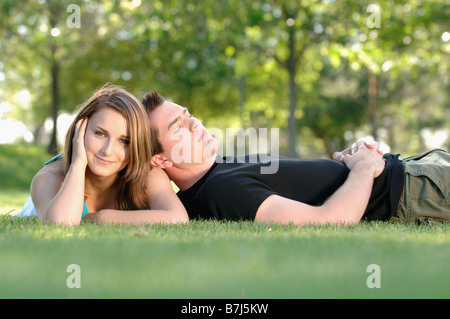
(159,161)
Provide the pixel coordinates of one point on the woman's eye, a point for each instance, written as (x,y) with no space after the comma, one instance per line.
(125,141)
(99,133)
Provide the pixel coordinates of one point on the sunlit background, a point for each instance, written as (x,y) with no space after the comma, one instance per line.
(325,72)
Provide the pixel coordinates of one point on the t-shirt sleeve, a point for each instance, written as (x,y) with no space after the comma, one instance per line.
(235,198)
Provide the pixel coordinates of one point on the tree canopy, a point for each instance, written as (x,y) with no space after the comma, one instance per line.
(323,71)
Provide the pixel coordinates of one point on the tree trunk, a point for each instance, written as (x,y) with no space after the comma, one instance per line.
(373,103)
(390,127)
(53,146)
(37,133)
(292,123)
(242,98)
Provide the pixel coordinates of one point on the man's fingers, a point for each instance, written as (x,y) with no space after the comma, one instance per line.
(374,145)
(355,147)
(338,156)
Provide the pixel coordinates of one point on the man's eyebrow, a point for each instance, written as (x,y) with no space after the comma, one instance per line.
(185,110)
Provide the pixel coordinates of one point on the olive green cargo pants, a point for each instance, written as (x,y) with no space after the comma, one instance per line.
(426,194)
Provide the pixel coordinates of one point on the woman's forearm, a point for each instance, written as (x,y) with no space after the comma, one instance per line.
(67,206)
(136,217)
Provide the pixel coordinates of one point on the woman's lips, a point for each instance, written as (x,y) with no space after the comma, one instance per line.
(103,161)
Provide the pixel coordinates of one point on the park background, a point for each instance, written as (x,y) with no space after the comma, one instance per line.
(324,72)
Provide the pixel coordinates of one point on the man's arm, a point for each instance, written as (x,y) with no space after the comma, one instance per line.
(345,206)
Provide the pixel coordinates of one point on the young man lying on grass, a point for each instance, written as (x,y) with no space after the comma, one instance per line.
(359,184)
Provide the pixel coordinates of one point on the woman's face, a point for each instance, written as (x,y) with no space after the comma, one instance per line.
(106,142)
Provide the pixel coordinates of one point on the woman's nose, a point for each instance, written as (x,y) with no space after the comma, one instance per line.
(107,147)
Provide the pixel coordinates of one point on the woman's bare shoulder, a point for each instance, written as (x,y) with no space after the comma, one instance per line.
(51,172)
(157,172)
(158,181)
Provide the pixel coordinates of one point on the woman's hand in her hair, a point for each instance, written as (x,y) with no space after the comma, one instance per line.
(79,151)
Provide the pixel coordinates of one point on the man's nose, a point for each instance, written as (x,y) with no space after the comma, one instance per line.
(193,124)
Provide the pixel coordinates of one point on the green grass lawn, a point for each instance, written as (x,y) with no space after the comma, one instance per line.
(207,259)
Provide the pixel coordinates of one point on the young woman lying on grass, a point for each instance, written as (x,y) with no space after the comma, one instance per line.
(104,174)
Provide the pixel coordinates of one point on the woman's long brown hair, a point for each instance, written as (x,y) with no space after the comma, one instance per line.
(132,178)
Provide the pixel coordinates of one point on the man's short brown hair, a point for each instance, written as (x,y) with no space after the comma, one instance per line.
(151,101)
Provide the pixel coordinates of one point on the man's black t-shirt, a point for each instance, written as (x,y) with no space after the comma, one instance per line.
(233,189)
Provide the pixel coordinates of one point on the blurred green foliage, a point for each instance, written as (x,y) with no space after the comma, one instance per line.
(324,71)
(18,165)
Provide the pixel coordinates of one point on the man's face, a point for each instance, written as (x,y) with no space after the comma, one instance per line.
(184,139)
